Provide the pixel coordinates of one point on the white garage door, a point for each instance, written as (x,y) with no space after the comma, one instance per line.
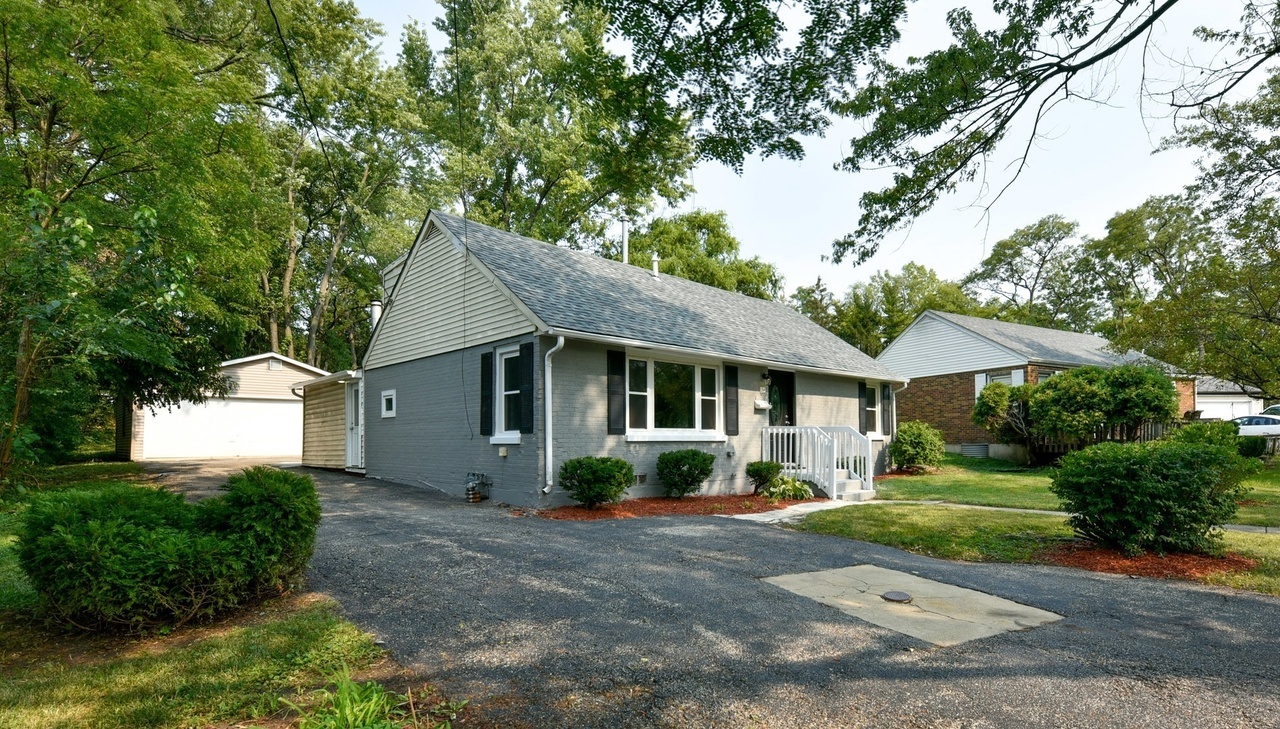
(225,429)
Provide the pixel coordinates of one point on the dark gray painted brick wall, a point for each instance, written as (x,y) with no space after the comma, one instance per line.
(429,442)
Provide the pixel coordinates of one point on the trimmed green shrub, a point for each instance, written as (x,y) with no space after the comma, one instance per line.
(1163,496)
(1223,434)
(785,487)
(762,473)
(595,480)
(1252,446)
(917,446)
(133,557)
(126,556)
(275,513)
(683,472)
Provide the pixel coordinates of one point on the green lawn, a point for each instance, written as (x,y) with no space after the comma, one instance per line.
(1002,536)
(1261,506)
(233,670)
(991,482)
(982,481)
(973,535)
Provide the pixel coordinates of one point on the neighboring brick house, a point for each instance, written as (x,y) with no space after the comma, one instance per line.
(503,355)
(951,357)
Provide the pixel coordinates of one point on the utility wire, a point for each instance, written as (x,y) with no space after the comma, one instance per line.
(462,193)
(306,105)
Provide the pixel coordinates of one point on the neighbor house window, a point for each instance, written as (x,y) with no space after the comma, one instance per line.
(672,396)
(507,378)
(388,403)
(1005,378)
(1042,375)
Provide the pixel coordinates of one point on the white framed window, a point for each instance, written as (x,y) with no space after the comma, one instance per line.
(669,399)
(506,410)
(388,400)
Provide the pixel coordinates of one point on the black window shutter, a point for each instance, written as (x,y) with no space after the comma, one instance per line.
(862,407)
(617,362)
(730,400)
(486,393)
(526,387)
(886,409)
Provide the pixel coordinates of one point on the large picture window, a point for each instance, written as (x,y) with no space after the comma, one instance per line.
(672,396)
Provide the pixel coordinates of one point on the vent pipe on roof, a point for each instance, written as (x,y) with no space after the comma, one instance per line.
(626,249)
(655,260)
(375,313)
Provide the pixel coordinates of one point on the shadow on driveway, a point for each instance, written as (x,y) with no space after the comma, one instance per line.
(665,622)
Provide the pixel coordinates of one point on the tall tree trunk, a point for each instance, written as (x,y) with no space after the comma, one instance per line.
(23,372)
(322,297)
(273,321)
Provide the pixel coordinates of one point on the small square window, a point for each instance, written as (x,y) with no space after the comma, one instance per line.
(388,403)
(275,365)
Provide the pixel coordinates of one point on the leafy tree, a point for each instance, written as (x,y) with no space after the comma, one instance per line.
(1193,276)
(1039,276)
(872,314)
(538,127)
(125,132)
(938,117)
(700,247)
(1005,412)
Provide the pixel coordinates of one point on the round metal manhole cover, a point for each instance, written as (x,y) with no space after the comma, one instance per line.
(896,596)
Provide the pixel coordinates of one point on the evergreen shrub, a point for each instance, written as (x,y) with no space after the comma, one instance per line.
(595,480)
(683,472)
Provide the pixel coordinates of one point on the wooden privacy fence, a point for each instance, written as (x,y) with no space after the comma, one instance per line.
(1147,431)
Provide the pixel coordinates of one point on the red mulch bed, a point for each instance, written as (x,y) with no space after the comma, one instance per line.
(664,506)
(1177,566)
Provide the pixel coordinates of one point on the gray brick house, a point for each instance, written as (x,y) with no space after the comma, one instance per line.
(503,355)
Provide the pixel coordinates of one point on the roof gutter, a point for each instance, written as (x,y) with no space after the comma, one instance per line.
(639,344)
(340,377)
(546,404)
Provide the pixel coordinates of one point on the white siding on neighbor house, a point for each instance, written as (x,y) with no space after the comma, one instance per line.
(931,346)
(443,304)
(257,380)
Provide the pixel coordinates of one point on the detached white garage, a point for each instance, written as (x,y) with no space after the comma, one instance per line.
(259,418)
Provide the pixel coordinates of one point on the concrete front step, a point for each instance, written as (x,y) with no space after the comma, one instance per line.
(853,491)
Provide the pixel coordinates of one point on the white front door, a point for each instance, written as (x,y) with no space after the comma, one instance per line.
(353,424)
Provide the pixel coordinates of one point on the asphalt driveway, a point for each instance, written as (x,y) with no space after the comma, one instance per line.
(665,622)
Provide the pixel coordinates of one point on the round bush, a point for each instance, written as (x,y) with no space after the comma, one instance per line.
(916,446)
(1163,496)
(683,472)
(134,557)
(274,514)
(595,480)
(762,473)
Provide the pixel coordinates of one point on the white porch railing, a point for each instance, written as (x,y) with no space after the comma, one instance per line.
(837,457)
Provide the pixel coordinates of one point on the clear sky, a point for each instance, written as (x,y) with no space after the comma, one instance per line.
(1093,161)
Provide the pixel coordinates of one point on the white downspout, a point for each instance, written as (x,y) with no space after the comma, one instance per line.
(546,417)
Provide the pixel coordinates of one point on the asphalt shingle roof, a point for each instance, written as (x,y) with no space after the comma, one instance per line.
(1206,385)
(1040,344)
(578,291)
